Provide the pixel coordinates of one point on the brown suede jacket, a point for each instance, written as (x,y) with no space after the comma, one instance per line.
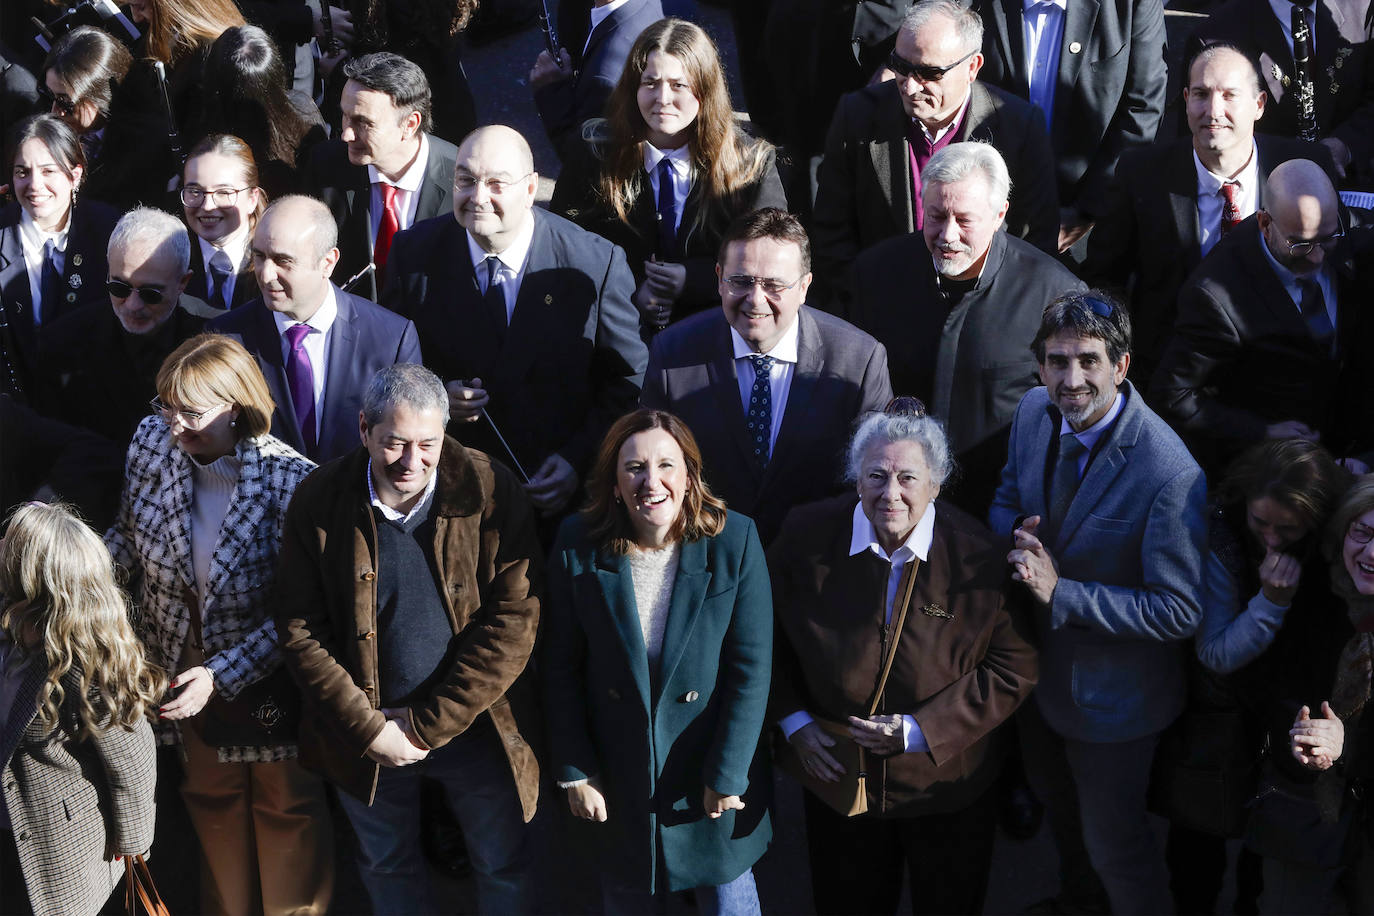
(490,573)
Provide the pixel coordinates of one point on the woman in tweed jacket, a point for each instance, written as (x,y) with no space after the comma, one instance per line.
(198,531)
(75,694)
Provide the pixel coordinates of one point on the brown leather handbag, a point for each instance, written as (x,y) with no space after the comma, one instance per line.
(140,896)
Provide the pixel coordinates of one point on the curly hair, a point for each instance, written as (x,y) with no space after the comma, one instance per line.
(58,583)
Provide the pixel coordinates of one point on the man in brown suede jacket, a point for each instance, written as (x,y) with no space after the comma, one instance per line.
(407,609)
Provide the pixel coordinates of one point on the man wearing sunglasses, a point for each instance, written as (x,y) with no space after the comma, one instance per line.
(882,136)
(1265,343)
(104,358)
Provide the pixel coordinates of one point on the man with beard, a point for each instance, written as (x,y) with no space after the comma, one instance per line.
(955,305)
(1105,509)
(1265,325)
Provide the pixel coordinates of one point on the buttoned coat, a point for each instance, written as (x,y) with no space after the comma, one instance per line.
(654,741)
(488,566)
(841,373)
(151,541)
(864,186)
(1130,555)
(74,804)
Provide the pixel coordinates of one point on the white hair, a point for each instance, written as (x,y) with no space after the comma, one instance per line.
(153,228)
(958,161)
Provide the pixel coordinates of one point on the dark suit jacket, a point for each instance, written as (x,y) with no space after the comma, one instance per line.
(342,185)
(1109,95)
(577,197)
(1148,234)
(84,276)
(38,453)
(245,283)
(864,183)
(841,372)
(572,361)
(984,363)
(364,339)
(655,738)
(565,104)
(1342,68)
(1242,357)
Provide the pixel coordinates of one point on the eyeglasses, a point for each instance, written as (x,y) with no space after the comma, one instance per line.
(1303,247)
(61,101)
(743,285)
(150,295)
(925,74)
(194,195)
(1360,533)
(495,186)
(191,419)
(905,406)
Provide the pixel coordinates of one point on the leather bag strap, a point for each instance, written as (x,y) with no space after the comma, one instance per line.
(903,599)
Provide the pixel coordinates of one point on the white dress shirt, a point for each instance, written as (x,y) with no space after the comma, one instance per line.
(407,192)
(955,122)
(316,345)
(917,544)
(236,246)
(1294,291)
(511,269)
(784,355)
(32,239)
(681,161)
(599,15)
(1042,25)
(1210,202)
(391,514)
(1090,435)
(1283,11)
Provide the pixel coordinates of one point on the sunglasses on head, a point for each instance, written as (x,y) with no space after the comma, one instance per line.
(62,102)
(926,74)
(1099,307)
(150,295)
(905,406)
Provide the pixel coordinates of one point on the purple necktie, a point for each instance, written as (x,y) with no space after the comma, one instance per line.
(301,375)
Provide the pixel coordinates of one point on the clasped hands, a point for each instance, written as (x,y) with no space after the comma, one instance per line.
(397,745)
(1031,561)
(881,735)
(663,284)
(1317,743)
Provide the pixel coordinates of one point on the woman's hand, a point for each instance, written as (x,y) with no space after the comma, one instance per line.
(810,742)
(656,310)
(665,279)
(717,804)
(1279,574)
(586,801)
(880,734)
(197,685)
(1317,743)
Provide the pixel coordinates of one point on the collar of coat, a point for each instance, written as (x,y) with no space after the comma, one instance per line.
(458,492)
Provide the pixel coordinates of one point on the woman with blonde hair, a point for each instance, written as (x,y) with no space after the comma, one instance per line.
(198,531)
(668,170)
(75,695)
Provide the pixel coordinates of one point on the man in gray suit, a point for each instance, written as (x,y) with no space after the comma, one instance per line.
(768,385)
(1105,508)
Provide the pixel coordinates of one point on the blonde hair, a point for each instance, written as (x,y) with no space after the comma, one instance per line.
(176,27)
(213,369)
(58,582)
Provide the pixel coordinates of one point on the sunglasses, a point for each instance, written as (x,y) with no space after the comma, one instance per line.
(905,406)
(62,102)
(150,295)
(1098,307)
(925,74)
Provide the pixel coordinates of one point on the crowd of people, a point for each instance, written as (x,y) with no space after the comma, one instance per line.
(449,524)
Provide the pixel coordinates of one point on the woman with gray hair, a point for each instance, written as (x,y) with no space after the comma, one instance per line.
(899,651)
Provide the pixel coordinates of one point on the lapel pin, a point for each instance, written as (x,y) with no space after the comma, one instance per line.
(1075,47)
(76,260)
(548,298)
(74,281)
(71,297)
(934,610)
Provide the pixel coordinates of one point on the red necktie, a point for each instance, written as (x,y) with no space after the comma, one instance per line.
(389,226)
(1230,213)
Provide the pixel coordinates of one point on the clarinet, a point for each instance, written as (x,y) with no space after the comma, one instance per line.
(1302,77)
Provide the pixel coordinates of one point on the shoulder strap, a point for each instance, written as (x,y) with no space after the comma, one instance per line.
(904,590)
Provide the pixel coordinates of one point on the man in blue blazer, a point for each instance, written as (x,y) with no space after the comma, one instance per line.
(317,375)
(1105,509)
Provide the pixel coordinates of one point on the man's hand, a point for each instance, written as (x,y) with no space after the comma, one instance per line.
(810,742)
(1279,574)
(197,685)
(655,309)
(391,747)
(1339,152)
(717,804)
(342,22)
(1031,561)
(466,399)
(546,70)
(880,734)
(1072,227)
(665,279)
(587,802)
(552,485)
(1317,743)
(1292,429)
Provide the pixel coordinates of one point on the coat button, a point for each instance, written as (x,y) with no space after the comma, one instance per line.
(369,576)
(456,587)
(613,693)
(690,696)
(23,836)
(368,635)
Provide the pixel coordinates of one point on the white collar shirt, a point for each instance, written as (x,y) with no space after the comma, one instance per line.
(1093,433)
(316,345)
(1294,289)
(680,160)
(510,265)
(1042,24)
(407,192)
(1210,202)
(784,355)
(32,240)
(1283,12)
(391,514)
(955,122)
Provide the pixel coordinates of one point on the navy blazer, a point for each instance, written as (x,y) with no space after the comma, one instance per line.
(364,339)
(841,373)
(245,280)
(1130,555)
(655,742)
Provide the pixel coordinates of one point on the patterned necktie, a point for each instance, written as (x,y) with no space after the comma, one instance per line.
(760,418)
(1230,213)
(494,299)
(50,284)
(386,230)
(1065,484)
(301,377)
(667,211)
(1314,313)
(220,272)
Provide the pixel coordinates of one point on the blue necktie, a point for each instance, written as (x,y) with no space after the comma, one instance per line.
(1065,483)
(1045,68)
(667,212)
(220,271)
(50,285)
(760,419)
(494,299)
(1314,313)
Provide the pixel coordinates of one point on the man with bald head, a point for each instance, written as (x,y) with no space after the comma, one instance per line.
(525,316)
(1265,327)
(317,345)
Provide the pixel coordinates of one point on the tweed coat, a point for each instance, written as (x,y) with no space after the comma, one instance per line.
(73,804)
(151,541)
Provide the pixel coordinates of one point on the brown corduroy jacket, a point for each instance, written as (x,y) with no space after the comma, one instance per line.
(489,565)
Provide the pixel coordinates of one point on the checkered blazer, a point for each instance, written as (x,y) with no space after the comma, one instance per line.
(70,801)
(151,541)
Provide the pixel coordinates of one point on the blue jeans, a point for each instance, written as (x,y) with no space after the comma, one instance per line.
(481,791)
(739,897)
